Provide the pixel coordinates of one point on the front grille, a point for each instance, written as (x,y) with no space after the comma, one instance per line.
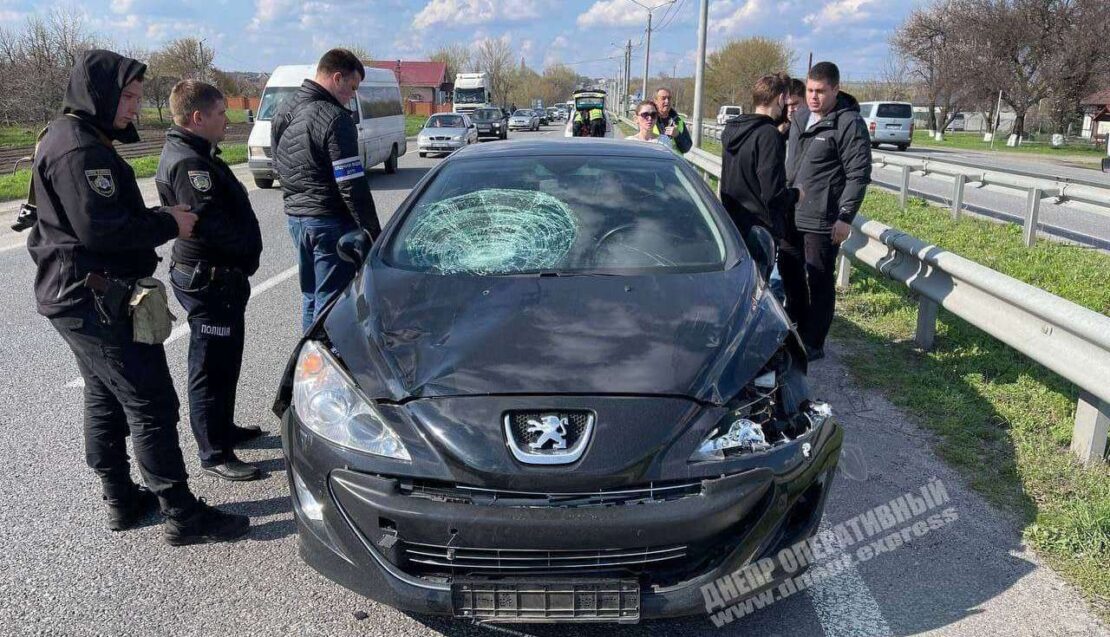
(518,420)
(491,561)
(439,138)
(653,492)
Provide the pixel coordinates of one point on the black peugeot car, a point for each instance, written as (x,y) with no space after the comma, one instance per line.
(557,390)
(491,122)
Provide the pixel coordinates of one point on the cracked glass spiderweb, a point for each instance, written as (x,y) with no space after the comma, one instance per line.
(492,231)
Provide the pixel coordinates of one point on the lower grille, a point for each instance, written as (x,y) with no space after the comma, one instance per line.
(652,492)
(435,557)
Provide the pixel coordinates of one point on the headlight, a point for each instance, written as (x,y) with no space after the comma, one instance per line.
(497,124)
(328,404)
(757,420)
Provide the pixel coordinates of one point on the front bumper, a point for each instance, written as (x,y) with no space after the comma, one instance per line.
(262,168)
(381,536)
(440,146)
(490,131)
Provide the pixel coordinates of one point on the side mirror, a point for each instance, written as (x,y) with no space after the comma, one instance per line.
(1106,164)
(250,116)
(762,246)
(353,247)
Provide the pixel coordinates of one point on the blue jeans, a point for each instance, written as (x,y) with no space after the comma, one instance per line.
(322,273)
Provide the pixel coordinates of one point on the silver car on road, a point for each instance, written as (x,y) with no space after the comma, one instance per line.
(524,119)
(446,133)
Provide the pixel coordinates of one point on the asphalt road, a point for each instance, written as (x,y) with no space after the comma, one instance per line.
(63,573)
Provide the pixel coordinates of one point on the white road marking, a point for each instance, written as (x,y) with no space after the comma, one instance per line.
(183,329)
(845,607)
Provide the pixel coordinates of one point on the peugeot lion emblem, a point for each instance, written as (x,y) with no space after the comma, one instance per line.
(551,429)
(548,437)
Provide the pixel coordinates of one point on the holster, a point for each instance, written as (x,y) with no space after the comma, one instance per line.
(151,318)
(110,296)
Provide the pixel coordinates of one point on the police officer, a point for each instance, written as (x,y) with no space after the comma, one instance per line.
(209,270)
(94,238)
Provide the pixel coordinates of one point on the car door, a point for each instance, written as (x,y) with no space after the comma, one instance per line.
(368,144)
(471,130)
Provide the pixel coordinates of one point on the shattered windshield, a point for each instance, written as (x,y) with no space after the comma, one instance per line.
(559,215)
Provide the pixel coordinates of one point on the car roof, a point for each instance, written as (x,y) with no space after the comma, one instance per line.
(564,146)
(294,74)
(886,102)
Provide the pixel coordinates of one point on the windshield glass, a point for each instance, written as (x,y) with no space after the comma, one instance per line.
(470,96)
(444,121)
(562,215)
(486,114)
(522,113)
(271,99)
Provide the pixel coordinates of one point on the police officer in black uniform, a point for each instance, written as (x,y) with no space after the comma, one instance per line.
(93,239)
(209,270)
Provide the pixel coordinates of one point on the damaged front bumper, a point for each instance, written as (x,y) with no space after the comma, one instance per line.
(416,543)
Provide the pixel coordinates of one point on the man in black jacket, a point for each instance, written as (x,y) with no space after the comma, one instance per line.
(829,163)
(209,270)
(94,238)
(316,154)
(753,168)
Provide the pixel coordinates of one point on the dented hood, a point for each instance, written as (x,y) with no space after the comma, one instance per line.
(406,334)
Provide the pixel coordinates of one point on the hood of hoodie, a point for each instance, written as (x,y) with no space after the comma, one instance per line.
(95,85)
(742,126)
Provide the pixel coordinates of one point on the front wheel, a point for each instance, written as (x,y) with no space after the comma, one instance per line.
(423,154)
(391,163)
(903,147)
(263,183)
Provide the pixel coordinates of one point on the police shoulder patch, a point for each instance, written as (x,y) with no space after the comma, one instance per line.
(101,181)
(201,180)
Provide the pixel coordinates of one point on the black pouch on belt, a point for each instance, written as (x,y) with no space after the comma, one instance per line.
(111,296)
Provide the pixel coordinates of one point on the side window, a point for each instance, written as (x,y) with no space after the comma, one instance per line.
(392,97)
(865,110)
(353,107)
(365,100)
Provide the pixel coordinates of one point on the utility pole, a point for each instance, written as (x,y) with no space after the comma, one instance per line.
(647,57)
(699,72)
(628,75)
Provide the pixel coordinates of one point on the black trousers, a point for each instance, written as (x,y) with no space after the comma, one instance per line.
(807,264)
(216,324)
(128,391)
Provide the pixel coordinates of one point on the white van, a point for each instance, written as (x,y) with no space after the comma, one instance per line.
(727,112)
(888,123)
(377,111)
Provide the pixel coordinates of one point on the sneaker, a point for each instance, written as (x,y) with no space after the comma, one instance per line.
(233,469)
(203,523)
(126,512)
(239,435)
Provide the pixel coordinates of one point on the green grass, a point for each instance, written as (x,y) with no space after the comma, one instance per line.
(14,186)
(974,141)
(149,116)
(413,124)
(16,136)
(1002,420)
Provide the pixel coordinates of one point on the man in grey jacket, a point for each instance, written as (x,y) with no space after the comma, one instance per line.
(829,162)
(317,158)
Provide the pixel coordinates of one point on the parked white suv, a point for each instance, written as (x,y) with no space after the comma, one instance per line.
(727,112)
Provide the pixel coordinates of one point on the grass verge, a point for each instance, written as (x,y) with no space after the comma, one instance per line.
(974,141)
(14,186)
(413,124)
(1002,420)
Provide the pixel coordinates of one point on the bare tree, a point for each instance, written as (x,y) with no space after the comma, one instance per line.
(495,57)
(929,40)
(187,58)
(457,57)
(732,70)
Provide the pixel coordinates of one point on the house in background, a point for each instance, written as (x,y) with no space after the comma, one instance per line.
(1096,115)
(425,88)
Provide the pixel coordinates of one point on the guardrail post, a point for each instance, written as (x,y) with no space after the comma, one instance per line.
(1032,211)
(904,194)
(958,196)
(926,334)
(1092,422)
(843,271)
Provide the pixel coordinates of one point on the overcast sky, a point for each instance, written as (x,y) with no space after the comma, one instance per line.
(256,35)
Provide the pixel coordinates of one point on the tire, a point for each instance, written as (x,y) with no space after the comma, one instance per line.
(423,154)
(264,184)
(903,147)
(391,163)
(874,145)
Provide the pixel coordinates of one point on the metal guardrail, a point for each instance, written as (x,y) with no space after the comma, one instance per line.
(1064,337)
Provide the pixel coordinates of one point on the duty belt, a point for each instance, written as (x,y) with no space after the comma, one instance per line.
(214,272)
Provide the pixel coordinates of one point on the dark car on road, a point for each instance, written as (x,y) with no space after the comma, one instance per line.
(558,389)
(491,122)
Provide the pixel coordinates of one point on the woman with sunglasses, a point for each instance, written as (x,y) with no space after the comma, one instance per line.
(646,114)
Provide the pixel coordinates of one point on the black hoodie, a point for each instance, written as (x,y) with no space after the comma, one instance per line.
(91,215)
(829,164)
(753,174)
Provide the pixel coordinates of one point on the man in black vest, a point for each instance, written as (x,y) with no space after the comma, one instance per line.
(93,239)
(209,270)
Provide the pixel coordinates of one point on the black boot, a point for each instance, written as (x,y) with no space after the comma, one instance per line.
(127,506)
(202,523)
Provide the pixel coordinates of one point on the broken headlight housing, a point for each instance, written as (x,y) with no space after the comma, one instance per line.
(328,404)
(763,415)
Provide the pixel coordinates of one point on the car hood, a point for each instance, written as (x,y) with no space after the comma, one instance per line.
(405,334)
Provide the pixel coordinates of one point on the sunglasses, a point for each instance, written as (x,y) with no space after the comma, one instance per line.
(647,115)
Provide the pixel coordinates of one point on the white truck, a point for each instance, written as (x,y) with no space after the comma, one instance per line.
(472,91)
